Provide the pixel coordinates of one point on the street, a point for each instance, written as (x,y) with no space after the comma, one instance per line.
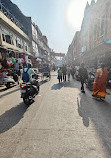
(61,123)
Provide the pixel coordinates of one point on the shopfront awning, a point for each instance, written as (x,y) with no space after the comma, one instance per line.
(8,49)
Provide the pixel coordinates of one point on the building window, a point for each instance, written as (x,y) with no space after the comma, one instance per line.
(19,43)
(25,46)
(33,44)
(3,37)
(7,36)
(34,32)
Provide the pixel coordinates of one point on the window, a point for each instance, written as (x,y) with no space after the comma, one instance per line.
(34,32)
(3,37)
(7,36)
(25,46)
(19,43)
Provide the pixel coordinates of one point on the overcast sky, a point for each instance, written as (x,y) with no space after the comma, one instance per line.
(57,19)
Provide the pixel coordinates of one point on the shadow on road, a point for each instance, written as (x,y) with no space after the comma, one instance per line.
(11,117)
(83,113)
(43,82)
(66,84)
(57,86)
(15,90)
(4,88)
(99,113)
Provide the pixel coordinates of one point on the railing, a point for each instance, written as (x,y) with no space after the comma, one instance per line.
(10,16)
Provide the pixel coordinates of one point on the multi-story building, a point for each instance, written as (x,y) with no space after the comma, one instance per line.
(73,54)
(25,36)
(76,48)
(12,38)
(40,44)
(69,56)
(95,33)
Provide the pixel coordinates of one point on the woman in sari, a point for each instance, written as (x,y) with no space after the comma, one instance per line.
(99,86)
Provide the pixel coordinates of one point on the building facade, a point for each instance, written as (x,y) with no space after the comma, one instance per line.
(74,52)
(22,36)
(95,33)
(12,38)
(40,45)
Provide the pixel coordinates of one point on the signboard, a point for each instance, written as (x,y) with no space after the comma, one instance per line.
(58,54)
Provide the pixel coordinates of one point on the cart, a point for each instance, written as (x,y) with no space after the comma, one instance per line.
(45,73)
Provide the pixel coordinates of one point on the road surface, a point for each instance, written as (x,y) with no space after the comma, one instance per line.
(61,123)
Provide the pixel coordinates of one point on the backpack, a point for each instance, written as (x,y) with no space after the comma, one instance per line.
(25,76)
(60,72)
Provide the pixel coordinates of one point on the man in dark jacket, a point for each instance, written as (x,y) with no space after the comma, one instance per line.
(64,70)
(83,76)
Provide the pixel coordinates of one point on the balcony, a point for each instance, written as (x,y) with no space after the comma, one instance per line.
(10,16)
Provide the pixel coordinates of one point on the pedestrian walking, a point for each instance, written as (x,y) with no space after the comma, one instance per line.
(68,72)
(64,71)
(73,70)
(21,70)
(83,76)
(60,74)
(99,86)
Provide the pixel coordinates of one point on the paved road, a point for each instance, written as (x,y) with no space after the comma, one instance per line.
(61,123)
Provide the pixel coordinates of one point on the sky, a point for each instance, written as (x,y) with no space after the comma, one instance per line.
(57,19)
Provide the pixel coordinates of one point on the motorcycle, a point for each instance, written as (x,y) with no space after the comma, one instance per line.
(29,91)
(9,78)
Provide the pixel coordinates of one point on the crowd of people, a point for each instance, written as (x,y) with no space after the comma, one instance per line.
(100,79)
(64,73)
(15,64)
(20,69)
(66,70)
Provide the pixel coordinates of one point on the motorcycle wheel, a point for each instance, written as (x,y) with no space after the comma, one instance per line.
(8,85)
(27,101)
(38,88)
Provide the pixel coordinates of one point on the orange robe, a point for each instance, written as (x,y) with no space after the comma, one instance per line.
(99,86)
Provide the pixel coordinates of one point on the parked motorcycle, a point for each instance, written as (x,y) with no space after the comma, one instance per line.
(9,78)
(29,91)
